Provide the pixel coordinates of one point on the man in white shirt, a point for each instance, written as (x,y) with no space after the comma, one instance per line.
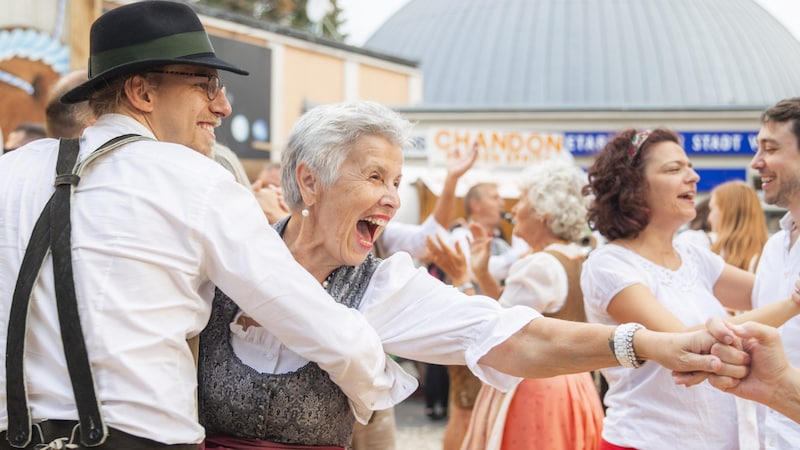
(778,164)
(155,225)
(484,205)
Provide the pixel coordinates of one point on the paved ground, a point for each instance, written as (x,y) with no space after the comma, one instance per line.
(415,431)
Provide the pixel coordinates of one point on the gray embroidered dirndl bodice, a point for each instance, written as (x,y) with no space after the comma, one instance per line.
(301,407)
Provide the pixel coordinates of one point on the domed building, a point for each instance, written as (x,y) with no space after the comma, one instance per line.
(595,54)
(532,78)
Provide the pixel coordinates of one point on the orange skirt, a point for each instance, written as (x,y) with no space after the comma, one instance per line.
(558,413)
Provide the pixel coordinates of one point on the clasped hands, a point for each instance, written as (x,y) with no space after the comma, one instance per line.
(753,365)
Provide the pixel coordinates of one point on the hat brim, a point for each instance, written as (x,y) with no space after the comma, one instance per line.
(83,91)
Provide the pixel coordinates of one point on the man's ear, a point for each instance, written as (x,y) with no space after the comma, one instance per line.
(139,91)
(307,182)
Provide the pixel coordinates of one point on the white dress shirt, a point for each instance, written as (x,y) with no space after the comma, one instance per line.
(776,275)
(410,238)
(155,226)
(418,317)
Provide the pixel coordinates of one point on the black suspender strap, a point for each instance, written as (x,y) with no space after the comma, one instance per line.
(19,419)
(93,429)
(52,230)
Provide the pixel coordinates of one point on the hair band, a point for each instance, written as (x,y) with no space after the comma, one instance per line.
(636,143)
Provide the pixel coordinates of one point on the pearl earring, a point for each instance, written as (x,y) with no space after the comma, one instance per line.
(304,212)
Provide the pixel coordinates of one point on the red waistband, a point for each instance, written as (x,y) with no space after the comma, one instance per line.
(233,443)
(605,445)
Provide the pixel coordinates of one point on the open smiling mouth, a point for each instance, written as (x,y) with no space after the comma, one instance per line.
(368,228)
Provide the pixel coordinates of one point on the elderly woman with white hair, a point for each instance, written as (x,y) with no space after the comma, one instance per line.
(562,412)
(341,171)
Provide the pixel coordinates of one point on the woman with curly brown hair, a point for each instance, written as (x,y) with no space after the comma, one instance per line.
(644,190)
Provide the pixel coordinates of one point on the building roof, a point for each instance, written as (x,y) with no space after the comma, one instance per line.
(594,54)
(288,31)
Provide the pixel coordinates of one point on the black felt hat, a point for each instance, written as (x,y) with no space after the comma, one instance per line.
(145,34)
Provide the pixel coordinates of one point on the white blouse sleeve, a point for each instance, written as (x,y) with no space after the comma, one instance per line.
(538,281)
(420,318)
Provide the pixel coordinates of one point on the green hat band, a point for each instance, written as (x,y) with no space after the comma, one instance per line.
(168,47)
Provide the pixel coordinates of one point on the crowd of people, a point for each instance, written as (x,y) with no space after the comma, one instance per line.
(184,306)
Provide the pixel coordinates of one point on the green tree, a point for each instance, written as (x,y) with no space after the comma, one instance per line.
(291,13)
(332,22)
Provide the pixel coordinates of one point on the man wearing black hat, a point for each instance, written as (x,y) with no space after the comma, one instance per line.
(95,337)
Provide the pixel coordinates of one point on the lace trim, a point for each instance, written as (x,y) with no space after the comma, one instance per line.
(683,279)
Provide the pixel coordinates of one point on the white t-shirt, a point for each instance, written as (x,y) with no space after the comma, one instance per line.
(776,275)
(646,409)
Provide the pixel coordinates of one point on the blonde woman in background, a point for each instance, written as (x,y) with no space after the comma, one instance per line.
(736,227)
(738,223)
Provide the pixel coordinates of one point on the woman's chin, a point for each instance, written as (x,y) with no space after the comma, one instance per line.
(357,255)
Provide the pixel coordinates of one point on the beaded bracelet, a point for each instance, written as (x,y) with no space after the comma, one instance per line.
(623,345)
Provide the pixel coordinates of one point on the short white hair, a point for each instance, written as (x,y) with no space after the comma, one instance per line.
(554,188)
(324,136)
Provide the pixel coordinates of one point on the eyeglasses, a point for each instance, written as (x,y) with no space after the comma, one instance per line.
(213,86)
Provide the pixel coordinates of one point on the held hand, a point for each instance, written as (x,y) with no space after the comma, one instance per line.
(728,349)
(769,364)
(724,345)
(689,353)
